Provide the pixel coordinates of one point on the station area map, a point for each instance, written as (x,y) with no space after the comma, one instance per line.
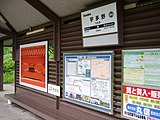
(88,79)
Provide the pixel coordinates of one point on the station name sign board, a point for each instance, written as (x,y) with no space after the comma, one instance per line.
(100,26)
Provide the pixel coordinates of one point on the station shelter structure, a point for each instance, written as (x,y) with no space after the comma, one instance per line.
(106,57)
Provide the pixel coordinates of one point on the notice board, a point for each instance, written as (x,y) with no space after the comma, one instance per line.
(141,84)
(88,80)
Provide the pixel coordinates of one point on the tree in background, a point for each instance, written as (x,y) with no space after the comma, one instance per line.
(51,52)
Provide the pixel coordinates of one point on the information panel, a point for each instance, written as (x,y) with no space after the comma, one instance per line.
(88,80)
(141,103)
(141,81)
(142,67)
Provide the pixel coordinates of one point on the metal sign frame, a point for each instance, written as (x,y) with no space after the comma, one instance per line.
(84,104)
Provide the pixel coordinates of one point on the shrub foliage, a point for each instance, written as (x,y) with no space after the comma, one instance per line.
(8,68)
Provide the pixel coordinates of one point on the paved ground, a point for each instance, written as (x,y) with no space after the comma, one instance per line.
(13,112)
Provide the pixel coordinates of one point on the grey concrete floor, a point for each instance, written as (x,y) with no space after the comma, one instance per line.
(13,112)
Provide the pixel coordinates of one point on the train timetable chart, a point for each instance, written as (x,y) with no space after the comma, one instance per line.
(88,79)
(142,67)
(141,81)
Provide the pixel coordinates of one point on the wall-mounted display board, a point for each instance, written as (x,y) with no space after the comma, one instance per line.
(88,80)
(33,65)
(141,82)
(141,103)
(100,26)
(142,67)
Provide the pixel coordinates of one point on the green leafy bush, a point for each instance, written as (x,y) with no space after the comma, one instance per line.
(8,77)
(8,68)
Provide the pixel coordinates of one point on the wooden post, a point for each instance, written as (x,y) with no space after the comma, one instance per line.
(1,65)
(57,56)
(14,47)
(14,55)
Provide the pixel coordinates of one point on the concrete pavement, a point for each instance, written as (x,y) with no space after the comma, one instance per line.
(13,112)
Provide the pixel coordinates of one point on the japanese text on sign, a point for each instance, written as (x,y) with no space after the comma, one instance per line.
(54,89)
(100,20)
(141,103)
(142,67)
(143,92)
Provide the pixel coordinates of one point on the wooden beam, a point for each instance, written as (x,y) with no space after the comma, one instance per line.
(1,65)
(6,32)
(48,24)
(130,1)
(43,9)
(5,38)
(8,24)
(13,30)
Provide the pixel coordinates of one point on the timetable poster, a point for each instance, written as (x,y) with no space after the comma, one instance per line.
(33,65)
(88,80)
(142,67)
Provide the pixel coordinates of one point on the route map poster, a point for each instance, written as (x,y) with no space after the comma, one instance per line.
(141,82)
(142,67)
(33,65)
(88,80)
